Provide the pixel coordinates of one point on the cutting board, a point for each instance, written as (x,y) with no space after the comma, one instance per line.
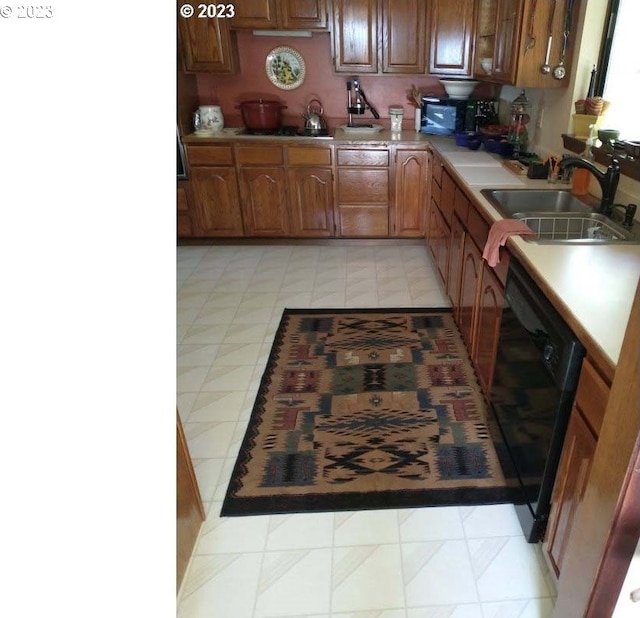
(489,176)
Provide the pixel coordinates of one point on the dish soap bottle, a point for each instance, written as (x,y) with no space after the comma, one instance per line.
(581,177)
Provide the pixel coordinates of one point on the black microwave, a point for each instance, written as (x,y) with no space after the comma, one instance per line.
(445,116)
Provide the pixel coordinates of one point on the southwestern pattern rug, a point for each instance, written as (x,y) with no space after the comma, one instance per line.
(366,409)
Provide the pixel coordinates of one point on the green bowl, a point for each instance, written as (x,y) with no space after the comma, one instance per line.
(608,135)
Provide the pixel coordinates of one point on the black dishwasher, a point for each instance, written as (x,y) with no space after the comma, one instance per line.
(538,362)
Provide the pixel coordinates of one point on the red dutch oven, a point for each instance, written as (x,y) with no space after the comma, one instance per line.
(260,115)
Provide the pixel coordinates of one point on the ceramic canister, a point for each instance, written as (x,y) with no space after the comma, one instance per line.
(211,118)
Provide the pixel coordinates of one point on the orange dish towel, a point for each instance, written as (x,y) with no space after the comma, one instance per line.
(498,235)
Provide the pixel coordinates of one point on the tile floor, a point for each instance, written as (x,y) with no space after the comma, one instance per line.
(453,562)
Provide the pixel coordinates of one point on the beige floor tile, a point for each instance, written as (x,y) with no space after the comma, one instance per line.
(366,527)
(294,582)
(367,577)
(438,573)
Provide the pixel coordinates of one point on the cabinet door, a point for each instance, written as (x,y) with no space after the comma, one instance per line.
(508,18)
(451,32)
(489,311)
(303,14)
(185,226)
(404,36)
(469,275)
(216,201)
(455,264)
(255,14)
(439,240)
(355,36)
(410,192)
(207,44)
(311,193)
(571,483)
(264,200)
(189,508)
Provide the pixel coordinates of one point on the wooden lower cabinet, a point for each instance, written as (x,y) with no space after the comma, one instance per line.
(263,194)
(411,173)
(571,483)
(311,202)
(575,463)
(470,273)
(456,248)
(184,222)
(216,201)
(488,314)
(438,240)
(363,192)
(189,509)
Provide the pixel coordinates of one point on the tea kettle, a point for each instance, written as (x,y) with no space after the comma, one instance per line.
(314,124)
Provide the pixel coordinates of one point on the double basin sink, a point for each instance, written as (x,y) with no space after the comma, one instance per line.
(558,217)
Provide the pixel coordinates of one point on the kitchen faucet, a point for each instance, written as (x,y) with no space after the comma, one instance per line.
(608,180)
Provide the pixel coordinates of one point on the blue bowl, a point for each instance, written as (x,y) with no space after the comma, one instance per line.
(496,146)
(463,139)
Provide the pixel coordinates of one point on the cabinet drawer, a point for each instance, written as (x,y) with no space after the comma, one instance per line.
(360,220)
(361,186)
(210,155)
(262,155)
(592,396)
(309,156)
(363,158)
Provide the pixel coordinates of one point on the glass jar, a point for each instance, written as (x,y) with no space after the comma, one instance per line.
(396,114)
(520,118)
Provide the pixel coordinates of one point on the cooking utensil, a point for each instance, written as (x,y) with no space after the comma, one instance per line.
(545,69)
(559,71)
(261,115)
(531,39)
(314,122)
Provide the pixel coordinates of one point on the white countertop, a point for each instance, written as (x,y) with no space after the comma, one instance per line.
(595,283)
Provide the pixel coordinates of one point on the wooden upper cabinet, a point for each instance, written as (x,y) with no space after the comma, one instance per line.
(503,30)
(355,36)
(451,28)
(207,44)
(280,14)
(404,36)
(506,40)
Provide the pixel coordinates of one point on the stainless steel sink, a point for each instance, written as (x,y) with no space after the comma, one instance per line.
(577,228)
(510,202)
(558,217)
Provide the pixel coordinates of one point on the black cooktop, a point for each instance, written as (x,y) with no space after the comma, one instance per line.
(287,131)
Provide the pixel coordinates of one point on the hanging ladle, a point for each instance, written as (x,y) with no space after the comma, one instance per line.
(559,71)
(545,69)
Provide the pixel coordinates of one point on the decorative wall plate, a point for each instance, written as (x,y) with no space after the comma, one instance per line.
(285,68)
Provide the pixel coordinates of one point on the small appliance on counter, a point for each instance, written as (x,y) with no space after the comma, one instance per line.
(447,116)
(357,102)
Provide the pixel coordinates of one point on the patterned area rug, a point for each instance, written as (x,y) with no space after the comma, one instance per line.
(364,409)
